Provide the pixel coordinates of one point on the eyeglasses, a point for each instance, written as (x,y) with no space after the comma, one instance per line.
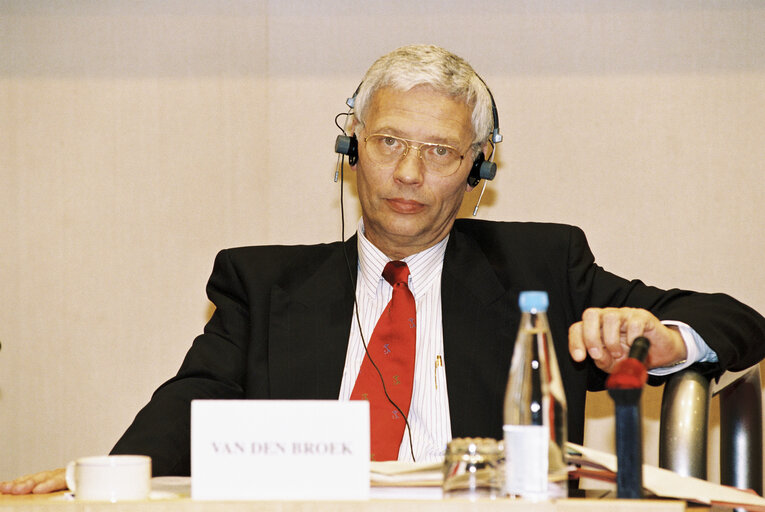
(441,159)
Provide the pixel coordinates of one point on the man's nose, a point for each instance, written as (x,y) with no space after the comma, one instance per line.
(410,168)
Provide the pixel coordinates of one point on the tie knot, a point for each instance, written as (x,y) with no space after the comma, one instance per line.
(396,272)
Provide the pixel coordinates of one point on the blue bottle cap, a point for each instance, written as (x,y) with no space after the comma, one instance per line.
(533,302)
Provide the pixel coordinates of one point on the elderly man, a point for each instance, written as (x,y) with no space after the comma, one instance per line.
(303,321)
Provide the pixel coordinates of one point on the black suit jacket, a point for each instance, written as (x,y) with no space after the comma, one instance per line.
(283,315)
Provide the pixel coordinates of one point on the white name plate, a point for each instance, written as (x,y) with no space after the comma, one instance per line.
(279,450)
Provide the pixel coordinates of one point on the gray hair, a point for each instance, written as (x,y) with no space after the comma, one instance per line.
(410,66)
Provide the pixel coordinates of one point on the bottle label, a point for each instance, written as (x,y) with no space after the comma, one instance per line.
(526,460)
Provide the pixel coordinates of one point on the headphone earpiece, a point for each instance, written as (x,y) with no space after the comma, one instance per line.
(348,145)
(482,170)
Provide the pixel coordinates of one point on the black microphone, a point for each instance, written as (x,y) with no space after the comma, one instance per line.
(625,385)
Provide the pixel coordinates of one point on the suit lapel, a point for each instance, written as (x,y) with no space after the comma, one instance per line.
(310,322)
(479,322)
(309,327)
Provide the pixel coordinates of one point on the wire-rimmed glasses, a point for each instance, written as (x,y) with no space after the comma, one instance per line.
(384,149)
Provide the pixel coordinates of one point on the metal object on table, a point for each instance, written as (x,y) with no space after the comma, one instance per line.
(685,416)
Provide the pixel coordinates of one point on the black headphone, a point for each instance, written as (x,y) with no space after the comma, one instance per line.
(482,169)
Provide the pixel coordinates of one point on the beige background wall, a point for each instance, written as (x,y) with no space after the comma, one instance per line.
(138,138)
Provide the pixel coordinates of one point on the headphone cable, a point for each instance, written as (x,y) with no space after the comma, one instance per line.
(356,309)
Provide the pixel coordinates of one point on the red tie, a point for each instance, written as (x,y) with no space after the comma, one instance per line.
(392,349)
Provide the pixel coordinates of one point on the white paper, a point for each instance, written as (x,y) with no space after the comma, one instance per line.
(392,473)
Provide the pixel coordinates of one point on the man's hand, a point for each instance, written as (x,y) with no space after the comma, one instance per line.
(38,483)
(605,334)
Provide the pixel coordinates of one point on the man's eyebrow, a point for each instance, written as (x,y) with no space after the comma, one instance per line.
(434,139)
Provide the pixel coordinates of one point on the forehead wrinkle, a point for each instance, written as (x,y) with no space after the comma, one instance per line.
(420,114)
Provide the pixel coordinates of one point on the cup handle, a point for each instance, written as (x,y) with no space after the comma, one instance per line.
(70,480)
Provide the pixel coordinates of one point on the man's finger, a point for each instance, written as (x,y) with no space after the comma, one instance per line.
(612,332)
(55,482)
(591,333)
(23,485)
(575,343)
(38,483)
(636,325)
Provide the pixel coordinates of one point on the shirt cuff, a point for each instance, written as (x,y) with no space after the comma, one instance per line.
(698,350)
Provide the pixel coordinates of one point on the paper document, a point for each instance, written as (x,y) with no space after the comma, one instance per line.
(668,484)
(393,472)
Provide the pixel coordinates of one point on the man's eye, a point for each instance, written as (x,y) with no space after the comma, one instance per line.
(389,141)
(441,153)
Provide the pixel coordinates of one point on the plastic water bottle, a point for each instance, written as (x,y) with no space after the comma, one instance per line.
(535,428)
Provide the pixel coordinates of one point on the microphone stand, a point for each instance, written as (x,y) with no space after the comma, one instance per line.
(625,385)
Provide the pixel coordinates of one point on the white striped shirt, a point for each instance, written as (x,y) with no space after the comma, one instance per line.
(429,410)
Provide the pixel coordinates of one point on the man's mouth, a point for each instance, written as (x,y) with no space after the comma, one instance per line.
(405,205)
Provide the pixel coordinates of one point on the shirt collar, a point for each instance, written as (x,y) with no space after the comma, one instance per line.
(424,266)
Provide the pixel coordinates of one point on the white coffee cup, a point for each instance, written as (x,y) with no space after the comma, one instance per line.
(110,477)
